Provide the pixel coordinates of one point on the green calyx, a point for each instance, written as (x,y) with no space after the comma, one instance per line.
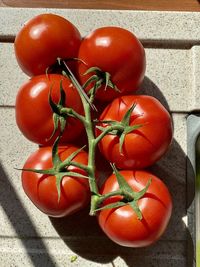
(68,73)
(60,168)
(61,66)
(61,113)
(59,119)
(99,78)
(121,128)
(130,197)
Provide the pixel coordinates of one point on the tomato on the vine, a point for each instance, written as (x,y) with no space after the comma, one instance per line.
(132,132)
(116,51)
(34,115)
(42,40)
(42,188)
(122,224)
(145,144)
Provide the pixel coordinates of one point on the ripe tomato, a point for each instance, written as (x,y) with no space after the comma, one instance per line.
(122,224)
(143,146)
(42,190)
(42,40)
(116,51)
(34,116)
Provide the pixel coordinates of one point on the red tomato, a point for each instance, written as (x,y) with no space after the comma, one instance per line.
(117,51)
(34,116)
(42,40)
(122,224)
(42,190)
(144,146)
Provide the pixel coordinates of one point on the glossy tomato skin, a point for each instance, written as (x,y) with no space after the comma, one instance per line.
(42,40)
(34,116)
(42,191)
(117,51)
(141,147)
(122,225)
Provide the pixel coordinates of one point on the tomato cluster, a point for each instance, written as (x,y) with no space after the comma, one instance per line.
(70,77)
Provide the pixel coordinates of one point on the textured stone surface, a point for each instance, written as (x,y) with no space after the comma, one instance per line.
(11,76)
(55,252)
(153,25)
(195,88)
(169,77)
(29,238)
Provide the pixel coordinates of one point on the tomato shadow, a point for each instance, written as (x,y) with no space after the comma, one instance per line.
(150,88)
(20,221)
(177,173)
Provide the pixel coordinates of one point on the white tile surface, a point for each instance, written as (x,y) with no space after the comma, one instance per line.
(148,25)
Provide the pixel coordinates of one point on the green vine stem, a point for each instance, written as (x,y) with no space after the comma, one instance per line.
(87,121)
(107,130)
(120,128)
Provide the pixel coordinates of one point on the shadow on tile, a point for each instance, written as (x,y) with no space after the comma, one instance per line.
(20,220)
(150,88)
